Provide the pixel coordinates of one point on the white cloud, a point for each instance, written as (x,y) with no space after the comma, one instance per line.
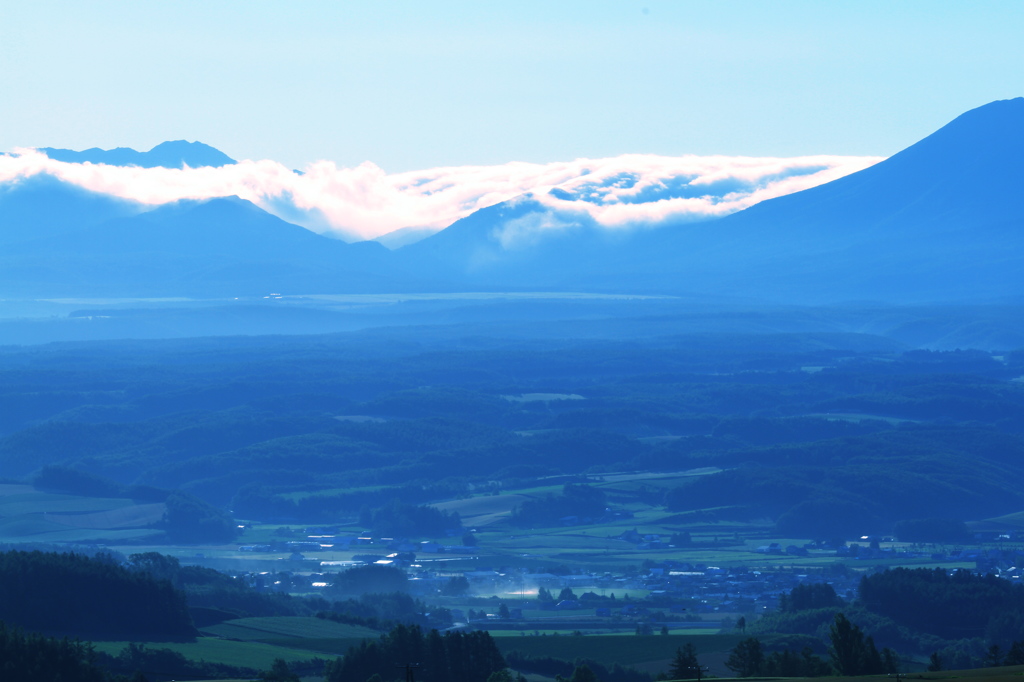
(365,202)
(527,230)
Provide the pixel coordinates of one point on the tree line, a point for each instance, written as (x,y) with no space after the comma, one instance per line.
(466,656)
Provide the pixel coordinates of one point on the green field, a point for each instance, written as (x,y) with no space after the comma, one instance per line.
(27,514)
(1012,520)
(319,637)
(1004,674)
(216,650)
(287,627)
(615,648)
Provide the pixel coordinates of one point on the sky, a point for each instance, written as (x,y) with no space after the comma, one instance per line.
(411,85)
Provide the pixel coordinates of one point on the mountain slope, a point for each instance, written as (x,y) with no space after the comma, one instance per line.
(941,220)
(217,247)
(42,206)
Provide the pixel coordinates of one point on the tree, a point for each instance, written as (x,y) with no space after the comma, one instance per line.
(467,656)
(746,658)
(741,624)
(947,605)
(370,578)
(279,672)
(934,662)
(804,597)
(501,676)
(566,593)
(34,657)
(685,663)
(852,653)
(503,611)
(890,661)
(847,648)
(160,566)
(583,673)
(190,520)
(871,661)
(1015,656)
(456,586)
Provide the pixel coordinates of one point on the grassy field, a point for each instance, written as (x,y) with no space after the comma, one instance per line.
(31,501)
(1015,520)
(319,637)
(718,539)
(257,655)
(131,516)
(484,510)
(615,648)
(30,515)
(288,627)
(1010,674)
(1007,674)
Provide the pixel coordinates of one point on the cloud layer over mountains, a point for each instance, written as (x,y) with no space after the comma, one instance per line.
(365,202)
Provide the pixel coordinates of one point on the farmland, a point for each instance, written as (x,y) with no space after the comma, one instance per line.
(28,514)
(217,650)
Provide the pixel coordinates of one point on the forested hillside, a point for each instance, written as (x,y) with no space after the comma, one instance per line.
(70,594)
(820,433)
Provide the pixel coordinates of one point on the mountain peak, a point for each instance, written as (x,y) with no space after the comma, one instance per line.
(171,154)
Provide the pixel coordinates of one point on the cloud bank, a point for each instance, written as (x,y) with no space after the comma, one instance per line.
(365,202)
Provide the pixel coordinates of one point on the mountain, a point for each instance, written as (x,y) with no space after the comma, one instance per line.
(520,244)
(42,206)
(176,154)
(218,247)
(941,220)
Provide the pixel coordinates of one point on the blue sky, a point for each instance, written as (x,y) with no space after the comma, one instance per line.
(412,85)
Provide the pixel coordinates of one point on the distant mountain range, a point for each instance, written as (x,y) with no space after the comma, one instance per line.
(940,221)
(219,247)
(176,154)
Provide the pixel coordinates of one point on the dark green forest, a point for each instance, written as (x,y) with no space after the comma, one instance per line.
(470,656)
(34,657)
(71,594)
(960,619)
